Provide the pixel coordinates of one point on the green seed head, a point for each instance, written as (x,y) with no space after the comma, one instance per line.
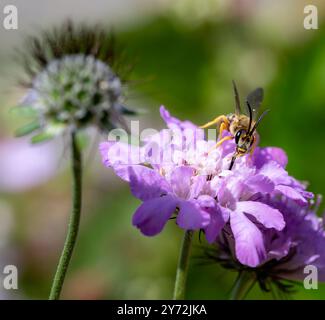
(74,81)
(76,90)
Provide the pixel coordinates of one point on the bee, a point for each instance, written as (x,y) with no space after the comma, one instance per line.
(241,127)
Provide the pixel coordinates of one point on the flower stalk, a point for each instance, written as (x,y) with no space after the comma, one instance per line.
(74,221)
(182,268)
(244,283)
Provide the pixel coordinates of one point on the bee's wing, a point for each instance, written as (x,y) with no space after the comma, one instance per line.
(255,99)
(237,101)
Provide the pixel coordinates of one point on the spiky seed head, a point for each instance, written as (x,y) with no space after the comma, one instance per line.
(73,81)
(76,90)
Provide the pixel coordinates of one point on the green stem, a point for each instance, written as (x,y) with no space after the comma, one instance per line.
(74,221)
(182,268)
(244,283)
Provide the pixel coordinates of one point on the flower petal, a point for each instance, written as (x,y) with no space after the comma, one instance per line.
(226,197)
(146,183)
(174,123)
(197,186)
(181,181)
(153,214)
(275,173)
(118,153)
(249,242)
(265,155)
(291,193)
(218,218)
(260,183)
(103,149)
(191,216)
(120,157)
(269,217)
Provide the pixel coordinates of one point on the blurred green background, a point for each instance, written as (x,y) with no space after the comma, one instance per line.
(186,52)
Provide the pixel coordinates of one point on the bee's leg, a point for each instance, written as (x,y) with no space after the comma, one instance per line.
(220,142)
(223,126)
(222,118)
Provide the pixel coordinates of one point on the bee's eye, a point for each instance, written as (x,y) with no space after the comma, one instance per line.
(237,136)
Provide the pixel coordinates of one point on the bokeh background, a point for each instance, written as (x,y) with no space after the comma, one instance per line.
(185,52)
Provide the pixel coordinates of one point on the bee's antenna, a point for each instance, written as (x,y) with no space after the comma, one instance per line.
(258,121)
(238,108)
(250,115)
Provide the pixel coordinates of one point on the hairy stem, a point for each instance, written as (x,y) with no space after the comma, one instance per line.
(74,221)
(244,283)
(182,268)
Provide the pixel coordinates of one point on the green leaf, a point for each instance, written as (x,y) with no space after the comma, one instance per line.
(41,137)
(25,111)
(27,129)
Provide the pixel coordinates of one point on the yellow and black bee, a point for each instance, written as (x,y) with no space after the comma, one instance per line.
(241,126)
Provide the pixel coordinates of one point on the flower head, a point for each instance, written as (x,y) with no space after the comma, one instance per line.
(287,252)
(73,81)
(178,171)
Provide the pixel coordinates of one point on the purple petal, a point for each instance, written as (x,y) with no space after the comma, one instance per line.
(191,216)
(174,123)
(280,251)
(260,183)
(226,198)
(153,214)
(269,217)
(198,183)
(218,217)
(275,173)
(265,155)
(146,184)
(118,153)
(249,242)
(103,149)
(291,193)
(120,157)
(307,194)
(181,181)
(207,202)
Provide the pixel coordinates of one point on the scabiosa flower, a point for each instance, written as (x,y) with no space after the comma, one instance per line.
(287,252)
(74,81)
(184,175)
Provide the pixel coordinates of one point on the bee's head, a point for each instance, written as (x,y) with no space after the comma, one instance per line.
(244,138)
(244,141)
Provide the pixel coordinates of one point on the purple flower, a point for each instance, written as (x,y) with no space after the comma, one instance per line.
(288,251)
(177,171)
